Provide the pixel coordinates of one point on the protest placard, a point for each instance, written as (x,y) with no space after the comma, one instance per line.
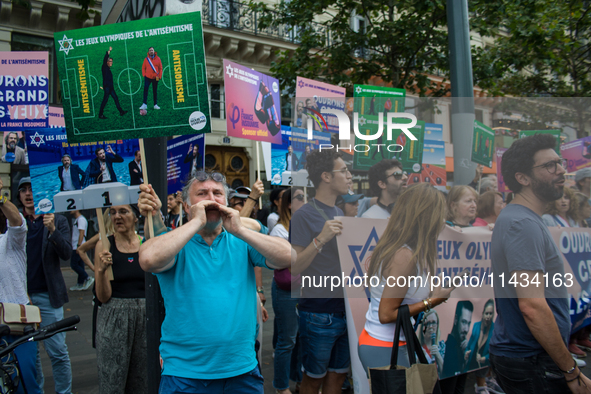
(24,90)
(483,142)
(433,167)
(500,181)
(145,78)
(555,133)
(253,104)
(577,154)
(456,251)
(315,95)
(289,157)
(185,156)
(66,177)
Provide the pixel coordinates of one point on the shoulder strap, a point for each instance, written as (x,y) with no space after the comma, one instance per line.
(320,211)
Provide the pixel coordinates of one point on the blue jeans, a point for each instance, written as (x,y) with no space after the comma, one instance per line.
(324,343)
(26,355)
(248,383)
(77,265)
(528,375)
(55,346)
(286,324)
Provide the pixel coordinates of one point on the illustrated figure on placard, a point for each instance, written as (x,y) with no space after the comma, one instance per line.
(11,152)
(291,160)
(136,176)
(457,340)
(194,157)
(108,85)
(401,140)
(152,72)
(587,149)
(100,169)
(71,175)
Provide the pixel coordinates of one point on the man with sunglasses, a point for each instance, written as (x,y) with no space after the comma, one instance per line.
(323,325)
(205,271)
(387,181)
(528,348)
(48,241)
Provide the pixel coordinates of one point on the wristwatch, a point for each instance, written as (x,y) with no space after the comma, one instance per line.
(261,290)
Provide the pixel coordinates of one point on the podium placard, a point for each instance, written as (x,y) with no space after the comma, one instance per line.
(106,195)
(67,201)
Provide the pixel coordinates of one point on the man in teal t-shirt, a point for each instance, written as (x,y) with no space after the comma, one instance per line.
(205,271)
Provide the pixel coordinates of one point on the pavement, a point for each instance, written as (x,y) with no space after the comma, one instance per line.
(83,356)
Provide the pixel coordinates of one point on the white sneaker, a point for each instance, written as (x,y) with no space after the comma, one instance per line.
(580,363)
(156,106)
(87,283)
(144,106)
(493,386)
(480,389)
(76,287)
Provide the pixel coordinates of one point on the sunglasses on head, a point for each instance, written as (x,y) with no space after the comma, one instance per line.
(202,176)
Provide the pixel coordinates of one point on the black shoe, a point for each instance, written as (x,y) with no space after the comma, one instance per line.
(123,112)
(102,117)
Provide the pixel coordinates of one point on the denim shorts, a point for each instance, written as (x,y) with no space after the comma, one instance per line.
(248,383)
(324,343)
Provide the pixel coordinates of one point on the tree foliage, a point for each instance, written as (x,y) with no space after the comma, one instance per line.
(539,48)
(401,42)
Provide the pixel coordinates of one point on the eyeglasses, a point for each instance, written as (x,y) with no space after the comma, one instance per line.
(398,175)
(342,170)
(25,189)
(299,197)
(551,166)
(202,176)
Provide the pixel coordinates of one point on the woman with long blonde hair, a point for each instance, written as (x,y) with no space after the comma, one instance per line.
(408,248)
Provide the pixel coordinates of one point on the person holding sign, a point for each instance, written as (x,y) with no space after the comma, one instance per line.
(528,348)
(152,72)
(100,169)
(48,241)
(121,341)
(198,262)
(109,86)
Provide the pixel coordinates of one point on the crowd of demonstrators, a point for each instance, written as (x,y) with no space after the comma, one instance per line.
(48,240)
(13,284)
(529,347)
(584,209)
(121,320)
(419,211)
(489,207)
(275,199)
(79,229)
(461,206)
(488,184)
(285,361)
(387,181)
(322,321)
(349,203)
(210,258)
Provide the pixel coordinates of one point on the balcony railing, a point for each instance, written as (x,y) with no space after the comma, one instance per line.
(235,16)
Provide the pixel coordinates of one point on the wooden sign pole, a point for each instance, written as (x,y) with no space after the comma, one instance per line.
(106,243)
(149,225)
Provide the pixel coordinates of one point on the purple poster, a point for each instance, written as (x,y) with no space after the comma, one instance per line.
(253,106)
(577,154)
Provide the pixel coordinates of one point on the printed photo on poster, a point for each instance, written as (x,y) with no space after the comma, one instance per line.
(185,156)
(288,159)
(76,176)
(140,79)
(315,96)
(24,89)
(433,168)
(14,149)
(253,104)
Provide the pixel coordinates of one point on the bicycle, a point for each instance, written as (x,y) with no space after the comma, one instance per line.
(10,373)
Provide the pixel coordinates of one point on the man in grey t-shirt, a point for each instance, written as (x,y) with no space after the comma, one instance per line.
(528,350)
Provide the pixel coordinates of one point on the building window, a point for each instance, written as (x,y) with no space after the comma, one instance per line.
(216,100)
(25,43)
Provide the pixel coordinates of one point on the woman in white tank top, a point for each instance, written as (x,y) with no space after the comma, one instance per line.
(403,258)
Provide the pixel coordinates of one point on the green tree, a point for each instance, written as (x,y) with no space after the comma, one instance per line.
(539,48)
(349,42)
